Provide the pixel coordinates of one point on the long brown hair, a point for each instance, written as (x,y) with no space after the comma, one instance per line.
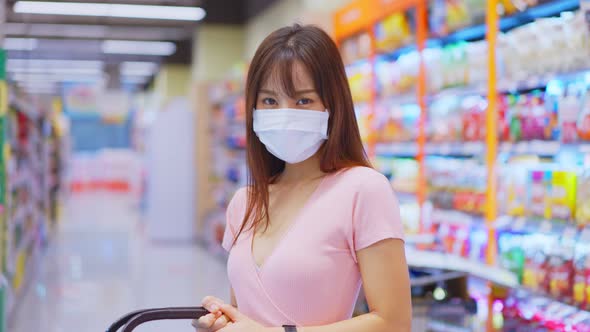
(314,49)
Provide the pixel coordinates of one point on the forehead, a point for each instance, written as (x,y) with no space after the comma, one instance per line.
(283,75)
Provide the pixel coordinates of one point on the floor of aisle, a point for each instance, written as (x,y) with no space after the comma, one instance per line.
(100,265)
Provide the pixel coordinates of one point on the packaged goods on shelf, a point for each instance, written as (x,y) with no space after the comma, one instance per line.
(394,31)
(447,16)
(583,199)
(360,80)
(356,48)
(581,282)
(396,122)
(523,312)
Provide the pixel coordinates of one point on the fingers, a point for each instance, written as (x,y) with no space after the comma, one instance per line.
(205,322)
(220,323)
(231,312)
(212,303)
(210,322)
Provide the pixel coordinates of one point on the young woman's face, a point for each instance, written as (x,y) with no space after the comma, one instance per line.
(306,97)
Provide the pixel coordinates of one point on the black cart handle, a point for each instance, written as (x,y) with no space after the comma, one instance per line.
(132,320)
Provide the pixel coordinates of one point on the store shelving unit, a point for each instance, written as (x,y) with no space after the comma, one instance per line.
(228,149)
(31,167)
(4,287)
(473,61)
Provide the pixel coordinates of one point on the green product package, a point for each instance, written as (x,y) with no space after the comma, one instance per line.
(2,65)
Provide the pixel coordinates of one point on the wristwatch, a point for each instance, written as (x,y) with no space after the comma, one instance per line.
(290,328)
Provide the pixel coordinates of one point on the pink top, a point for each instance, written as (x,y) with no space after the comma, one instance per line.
(312,276)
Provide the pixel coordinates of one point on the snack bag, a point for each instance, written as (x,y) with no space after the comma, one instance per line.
(561,265)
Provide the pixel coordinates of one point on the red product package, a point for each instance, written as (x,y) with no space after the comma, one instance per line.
(581,280)
(561,266)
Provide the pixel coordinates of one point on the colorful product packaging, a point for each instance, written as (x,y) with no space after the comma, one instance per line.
(581,284)
(561,265)
(583,199)
(511,252)
(538,195)
(536,247)
(477,244)
(394,31)
(563,195)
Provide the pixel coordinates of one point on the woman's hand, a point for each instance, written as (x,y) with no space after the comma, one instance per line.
(239,322)
(215,320)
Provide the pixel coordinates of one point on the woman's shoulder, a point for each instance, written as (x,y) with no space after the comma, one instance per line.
(363,178)
(239,199)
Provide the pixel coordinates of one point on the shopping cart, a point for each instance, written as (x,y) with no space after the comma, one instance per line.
(132,320)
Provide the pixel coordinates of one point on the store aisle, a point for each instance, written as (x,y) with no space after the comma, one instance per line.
(101,266)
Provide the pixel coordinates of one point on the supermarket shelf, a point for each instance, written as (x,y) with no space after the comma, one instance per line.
(400,99)
(456,217)
(440,326)
(433,279)
(410,149)
(468,149)
(403,197)
(437,260)
(534,225)
(413,239)
(478,32)
(543,148)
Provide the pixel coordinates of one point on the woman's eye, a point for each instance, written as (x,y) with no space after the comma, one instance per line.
(304,101)
(269,101)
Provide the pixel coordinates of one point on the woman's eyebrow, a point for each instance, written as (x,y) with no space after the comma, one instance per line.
(268,92)
(297,93)
(304,91)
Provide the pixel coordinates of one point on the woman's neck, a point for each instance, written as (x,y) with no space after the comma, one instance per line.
(304,171)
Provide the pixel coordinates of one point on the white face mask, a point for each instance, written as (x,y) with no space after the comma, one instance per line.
(292,135)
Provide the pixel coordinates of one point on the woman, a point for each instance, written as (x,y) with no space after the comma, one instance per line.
(315,219)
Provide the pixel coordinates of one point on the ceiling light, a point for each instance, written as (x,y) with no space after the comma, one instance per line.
(111,10)
(135,79)
(54,77)
(44,63)
(138,47)
(20,44)
(54,70)
(138,68)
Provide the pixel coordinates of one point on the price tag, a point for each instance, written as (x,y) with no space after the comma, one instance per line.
(569,232)
(522,148)
(519,224)
(584,148)
(445,148)
(545,227)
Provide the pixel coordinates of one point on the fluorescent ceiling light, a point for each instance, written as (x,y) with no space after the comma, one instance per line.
(138,68)
(135,79)
(44,63)
(110,10)
(37,85)
(138,47)
(20,44)
(54,70)
(54,77)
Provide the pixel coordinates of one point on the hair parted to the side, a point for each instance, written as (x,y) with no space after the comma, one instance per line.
(274,60)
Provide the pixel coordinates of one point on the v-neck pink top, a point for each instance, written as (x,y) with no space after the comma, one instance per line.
(312,276)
